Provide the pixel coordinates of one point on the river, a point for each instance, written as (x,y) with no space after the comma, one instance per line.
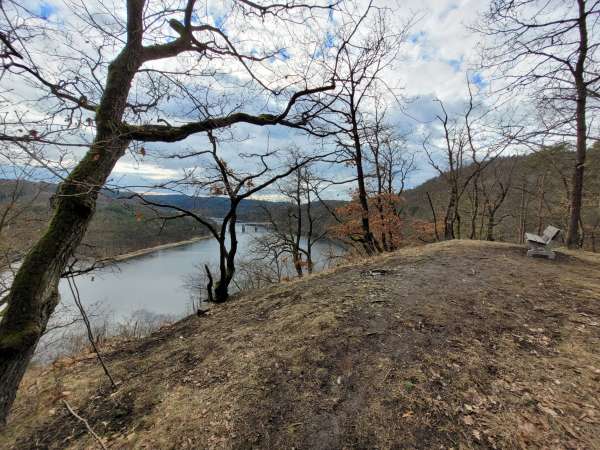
(156,283)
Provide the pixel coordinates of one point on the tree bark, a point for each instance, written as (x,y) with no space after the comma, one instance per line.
(490,225)
(573,236)
(368,239)
(540,210)
(34,292)
(435,230)
(450,217)
(227,267)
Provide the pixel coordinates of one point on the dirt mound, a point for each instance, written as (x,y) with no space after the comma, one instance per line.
(453,345)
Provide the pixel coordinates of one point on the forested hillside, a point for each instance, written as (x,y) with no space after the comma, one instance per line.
(512,195)
(119,226)
(123,225)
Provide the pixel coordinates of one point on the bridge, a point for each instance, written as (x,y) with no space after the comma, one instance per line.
(255,225)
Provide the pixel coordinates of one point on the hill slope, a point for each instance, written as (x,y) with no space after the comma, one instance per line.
(118,226)
(123,225)
(461,344)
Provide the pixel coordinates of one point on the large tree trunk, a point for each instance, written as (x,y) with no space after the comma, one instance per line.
(573,238)
(369,243)
(523,213)
(475,208)
(296,255)
(379,203)
(309,261)
(540,210)
(435,227)
(368,239)
(490,225)
(227,267)
(297,260)
(34,292)
(450,216)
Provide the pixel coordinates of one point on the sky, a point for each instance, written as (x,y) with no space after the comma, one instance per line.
(435,60)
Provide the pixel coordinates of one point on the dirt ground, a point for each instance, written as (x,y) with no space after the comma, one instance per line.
(453,345)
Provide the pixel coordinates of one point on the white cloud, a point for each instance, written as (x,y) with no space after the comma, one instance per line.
(145,170)
(439,52)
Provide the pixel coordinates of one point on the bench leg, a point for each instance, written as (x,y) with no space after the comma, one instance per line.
(541,251)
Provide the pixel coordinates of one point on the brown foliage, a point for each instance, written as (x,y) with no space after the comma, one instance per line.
(388,224)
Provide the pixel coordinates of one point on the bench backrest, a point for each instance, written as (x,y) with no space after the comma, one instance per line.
(550,233)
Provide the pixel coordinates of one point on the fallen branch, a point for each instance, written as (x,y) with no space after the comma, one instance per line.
(88,326)
(87,425)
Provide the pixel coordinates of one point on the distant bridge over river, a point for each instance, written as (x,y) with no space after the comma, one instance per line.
(254,226)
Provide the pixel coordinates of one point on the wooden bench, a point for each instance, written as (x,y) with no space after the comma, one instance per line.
(541,245)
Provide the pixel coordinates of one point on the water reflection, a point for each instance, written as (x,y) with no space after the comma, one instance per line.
(156,282)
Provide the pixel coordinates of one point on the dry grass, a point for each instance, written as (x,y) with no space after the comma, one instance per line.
(453,345)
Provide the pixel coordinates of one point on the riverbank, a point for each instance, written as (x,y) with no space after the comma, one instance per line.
(145,251)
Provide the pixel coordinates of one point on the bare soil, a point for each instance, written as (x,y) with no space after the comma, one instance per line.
(453,345)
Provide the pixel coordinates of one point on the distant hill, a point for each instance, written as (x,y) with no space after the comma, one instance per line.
(121,225)
(538,196)
(248,210)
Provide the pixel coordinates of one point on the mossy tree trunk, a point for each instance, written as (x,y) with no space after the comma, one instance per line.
(34,292)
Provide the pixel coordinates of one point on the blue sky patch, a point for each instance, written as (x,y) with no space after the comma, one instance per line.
(455,64)
(329,40)
(283,54)
(477,79)
(46,10)
(416,37)
(220,22)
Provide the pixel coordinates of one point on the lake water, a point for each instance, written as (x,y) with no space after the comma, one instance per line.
(156,283)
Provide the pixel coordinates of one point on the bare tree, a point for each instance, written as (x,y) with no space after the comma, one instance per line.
(344,111)
(112,86)
(471,140)
(548,50)
(292,228)
(390,166)
(496,183)
(221,178)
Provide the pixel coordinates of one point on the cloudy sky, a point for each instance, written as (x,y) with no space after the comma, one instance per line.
(437,57)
